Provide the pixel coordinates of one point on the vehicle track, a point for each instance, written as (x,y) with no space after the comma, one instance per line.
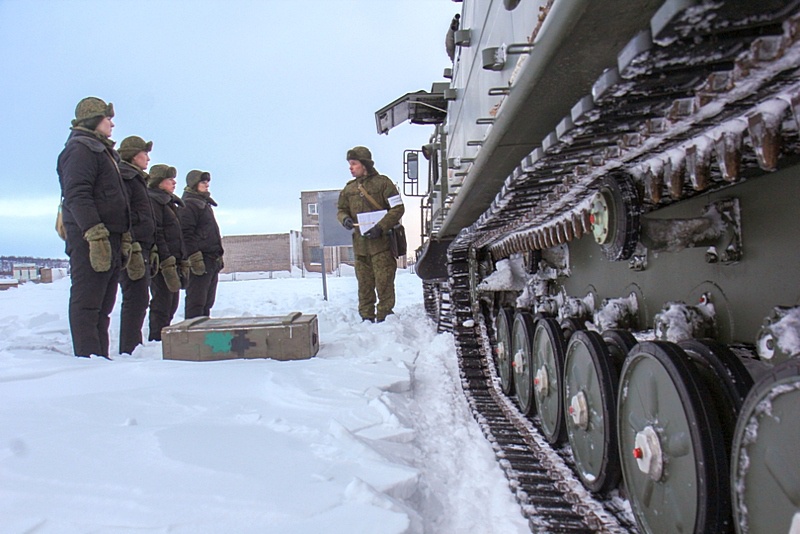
(551,496)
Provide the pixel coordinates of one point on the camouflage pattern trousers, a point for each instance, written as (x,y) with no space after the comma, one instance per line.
(375,274)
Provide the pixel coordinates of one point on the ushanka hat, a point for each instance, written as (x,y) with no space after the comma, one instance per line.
(195,177)
(90,111)
(159,173)
(362,154)
(132,145)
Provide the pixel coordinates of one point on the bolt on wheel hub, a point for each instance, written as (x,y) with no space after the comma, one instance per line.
(648,453)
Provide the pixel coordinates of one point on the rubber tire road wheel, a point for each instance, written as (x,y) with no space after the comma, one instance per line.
(660,393)
(619,343)
(503,354)
(548,358)
(765,470)
(726,378)
(588,370)
(521,336)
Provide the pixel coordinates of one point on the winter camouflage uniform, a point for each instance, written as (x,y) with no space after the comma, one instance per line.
(374,263)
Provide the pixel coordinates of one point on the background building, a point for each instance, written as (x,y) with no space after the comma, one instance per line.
(312,249)
(263,252)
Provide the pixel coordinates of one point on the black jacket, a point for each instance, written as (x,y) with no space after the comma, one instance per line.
(200,229)
(169,237)
(91,185)
(143,226)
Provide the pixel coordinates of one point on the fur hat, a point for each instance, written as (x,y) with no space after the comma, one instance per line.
(195,177)
(89,109)
(132,145)
(362,154)
(159,173)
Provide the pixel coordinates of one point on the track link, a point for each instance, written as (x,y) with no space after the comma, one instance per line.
(551,497)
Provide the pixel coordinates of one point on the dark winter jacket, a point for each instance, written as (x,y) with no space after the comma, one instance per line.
(143,226)
(91,185)
(169,237)
(351,203)
(200,229)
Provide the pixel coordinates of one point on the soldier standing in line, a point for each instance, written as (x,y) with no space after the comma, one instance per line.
(97,224)
(375,265)
(135,278)
(166,289)
(203,244)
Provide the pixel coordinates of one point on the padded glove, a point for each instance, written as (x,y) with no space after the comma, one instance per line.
(125,248)
(220,263)
(170,273)
(374,233)
(99,247)
(197,264)
(136,262)
(347,222)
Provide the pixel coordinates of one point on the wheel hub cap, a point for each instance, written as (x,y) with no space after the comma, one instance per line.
(519,361)
(795,527)
(541,381)
(598,217)
(648,453)
(579,410)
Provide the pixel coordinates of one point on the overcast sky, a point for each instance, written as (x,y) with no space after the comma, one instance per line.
(266,95)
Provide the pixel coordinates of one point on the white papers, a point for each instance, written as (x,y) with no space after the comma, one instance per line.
(368,219)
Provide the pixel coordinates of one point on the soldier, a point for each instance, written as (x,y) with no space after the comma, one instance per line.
(166,289)
(203,244)
(97,223)
(135,278)
(375,265)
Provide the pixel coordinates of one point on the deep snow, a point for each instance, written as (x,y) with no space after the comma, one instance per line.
(373,435)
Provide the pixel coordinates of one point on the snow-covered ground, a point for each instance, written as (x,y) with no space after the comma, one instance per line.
(373,435)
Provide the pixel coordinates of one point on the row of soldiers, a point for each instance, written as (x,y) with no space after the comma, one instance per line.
(125,227)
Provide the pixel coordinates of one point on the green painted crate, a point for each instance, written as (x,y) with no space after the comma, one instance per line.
(291,337)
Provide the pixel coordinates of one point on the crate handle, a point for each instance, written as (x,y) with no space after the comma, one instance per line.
(290,318)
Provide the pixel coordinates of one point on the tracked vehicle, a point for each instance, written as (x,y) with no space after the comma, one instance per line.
(610,219)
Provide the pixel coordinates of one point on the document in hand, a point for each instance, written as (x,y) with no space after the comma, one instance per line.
(368,219)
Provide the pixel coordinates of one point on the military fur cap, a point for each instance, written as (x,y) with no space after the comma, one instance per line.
(132,145)
(362,154)
(91,108)
(195,177)
(159,173)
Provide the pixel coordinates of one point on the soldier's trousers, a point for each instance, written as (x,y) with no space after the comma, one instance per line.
(201,291)
(375,275)
(163,306)
(92,294)
(135,298)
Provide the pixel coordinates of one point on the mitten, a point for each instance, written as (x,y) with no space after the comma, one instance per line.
(347,222)
(125,248)
(185,270)
(170,273)
(374,233)
(136,262)
(99,247)
(197,264)
(220,263)
(154,259)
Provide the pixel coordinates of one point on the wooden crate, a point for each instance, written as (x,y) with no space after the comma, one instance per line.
(291,337)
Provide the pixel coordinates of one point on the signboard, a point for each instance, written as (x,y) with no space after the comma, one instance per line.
(331,232)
